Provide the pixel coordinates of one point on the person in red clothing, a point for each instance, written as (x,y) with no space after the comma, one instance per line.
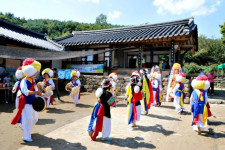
(211,78)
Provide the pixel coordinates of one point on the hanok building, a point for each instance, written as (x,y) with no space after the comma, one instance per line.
(135,46)
(17,43)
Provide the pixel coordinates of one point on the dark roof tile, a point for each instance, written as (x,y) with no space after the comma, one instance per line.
(130,34)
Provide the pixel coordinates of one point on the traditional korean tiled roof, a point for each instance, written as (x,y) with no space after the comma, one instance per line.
(19,34)
(130,34)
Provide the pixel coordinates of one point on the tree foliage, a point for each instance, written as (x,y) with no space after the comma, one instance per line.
(101,19)
(211,51)
(55,28)
(210,54)
(222,31)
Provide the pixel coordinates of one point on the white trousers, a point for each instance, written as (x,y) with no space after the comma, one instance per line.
(75,98)
(199,124)
(154,100)
(17,103)
(29,118)
(177,103)
(48,101)
(138,112)
(106,129)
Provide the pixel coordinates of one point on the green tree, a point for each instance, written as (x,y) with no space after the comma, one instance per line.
(101,19)
(55,28)
(222,31)
(210,51)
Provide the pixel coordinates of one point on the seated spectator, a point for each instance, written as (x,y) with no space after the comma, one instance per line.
(7,78)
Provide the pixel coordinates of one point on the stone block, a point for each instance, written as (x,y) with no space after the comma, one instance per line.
(86,86)
(187,100)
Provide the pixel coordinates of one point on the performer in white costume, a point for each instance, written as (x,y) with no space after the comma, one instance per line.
(48,85)
(26,115)
(75,86)
(178,92)
(16,88)
(113,76)
(157,88)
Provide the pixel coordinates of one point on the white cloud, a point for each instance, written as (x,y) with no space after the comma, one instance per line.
(195,7)
(93,1)
(115,14)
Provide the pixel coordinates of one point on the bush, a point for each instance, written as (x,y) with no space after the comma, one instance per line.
(193,68)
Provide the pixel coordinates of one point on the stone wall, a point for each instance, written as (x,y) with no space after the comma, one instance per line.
(187,89)
(90,83)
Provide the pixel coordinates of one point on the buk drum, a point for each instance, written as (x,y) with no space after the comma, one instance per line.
(68,86)
(48,91)
(39,104)
(75,90)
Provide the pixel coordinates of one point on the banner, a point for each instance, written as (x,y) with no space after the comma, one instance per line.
(92,68)
(88,68)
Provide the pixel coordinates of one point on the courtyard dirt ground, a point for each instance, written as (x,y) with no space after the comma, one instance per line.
(64,126)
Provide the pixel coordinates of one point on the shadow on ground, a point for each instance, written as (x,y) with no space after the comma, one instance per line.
(45,121)
(84,105)
(215,123)
(156,128)
(58,111)
(168,107)
(186,113)
(42,141)
(212,134)
(164,117)
(132,143)
(121,105)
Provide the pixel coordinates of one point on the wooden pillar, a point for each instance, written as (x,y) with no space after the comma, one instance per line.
(172,54)
(110,61)
(85,59)
(95,58)
(151,55)
(139,57)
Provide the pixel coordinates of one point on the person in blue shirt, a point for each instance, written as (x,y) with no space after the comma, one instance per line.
(7,78)
(200,72)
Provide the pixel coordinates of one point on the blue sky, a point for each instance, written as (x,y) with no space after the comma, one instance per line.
(208,14)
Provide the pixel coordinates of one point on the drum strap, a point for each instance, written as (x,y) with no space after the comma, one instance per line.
(21,106)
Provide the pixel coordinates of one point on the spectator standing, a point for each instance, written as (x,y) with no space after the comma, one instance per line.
(164,64)
(200,72)
(211,78)
(55,80)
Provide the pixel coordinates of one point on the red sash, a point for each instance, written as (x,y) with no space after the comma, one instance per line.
(156,96)
(51,97)
(151,94)
(21,106)
(46,82)
(209,112)
(99,122)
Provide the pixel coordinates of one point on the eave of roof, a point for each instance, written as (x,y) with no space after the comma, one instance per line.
(19,34)
(131,34)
